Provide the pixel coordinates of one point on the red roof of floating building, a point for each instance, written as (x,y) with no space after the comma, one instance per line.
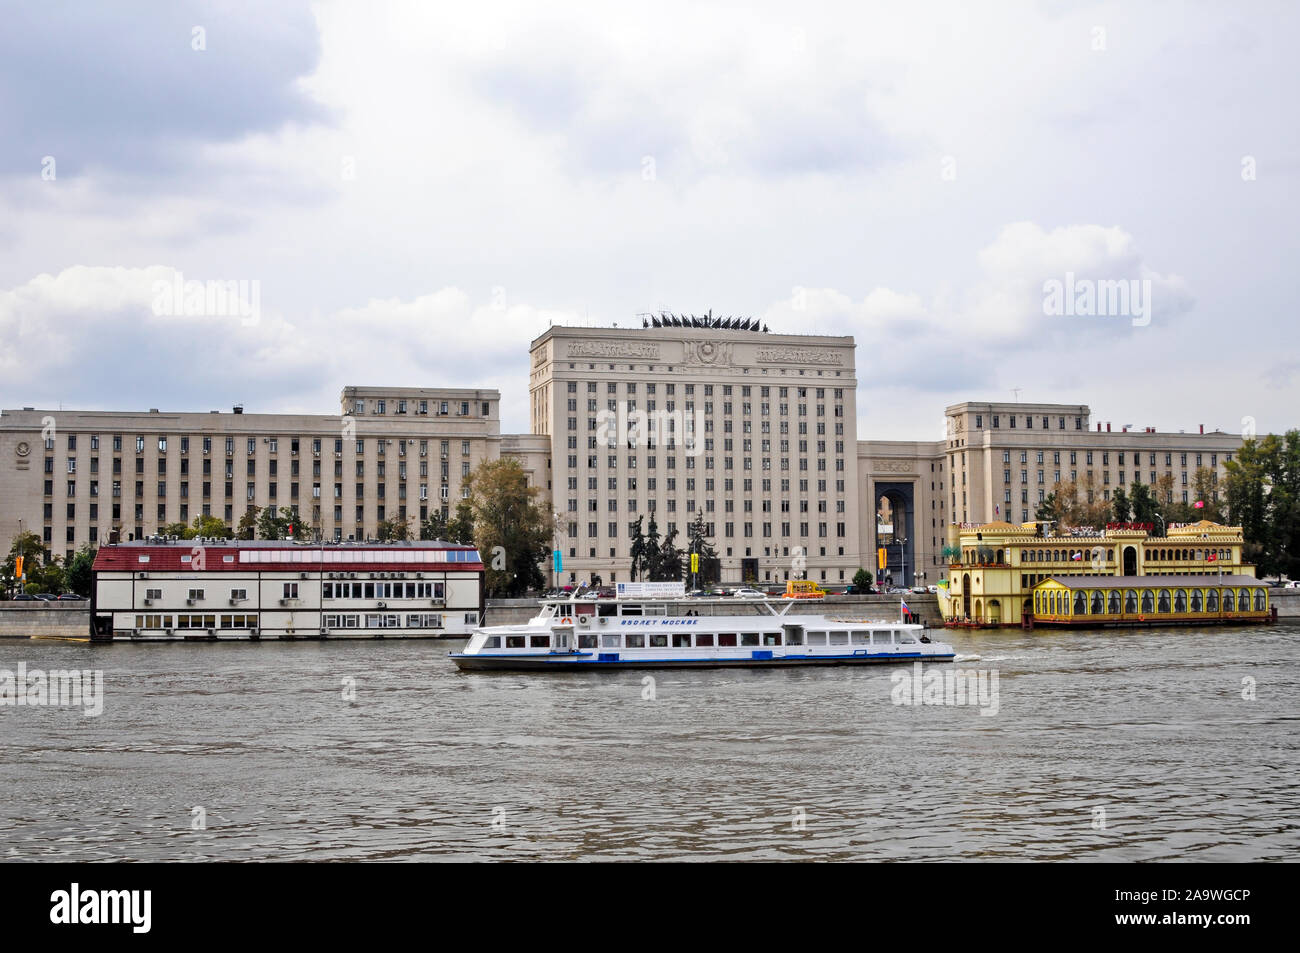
(203,555)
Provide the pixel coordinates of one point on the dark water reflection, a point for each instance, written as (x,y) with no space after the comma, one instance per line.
(1146,730)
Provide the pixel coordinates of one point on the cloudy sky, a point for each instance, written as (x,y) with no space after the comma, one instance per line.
(418,189)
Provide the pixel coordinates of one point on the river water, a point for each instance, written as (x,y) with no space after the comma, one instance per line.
(1114,745)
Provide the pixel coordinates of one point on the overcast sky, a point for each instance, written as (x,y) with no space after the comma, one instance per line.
(419,189)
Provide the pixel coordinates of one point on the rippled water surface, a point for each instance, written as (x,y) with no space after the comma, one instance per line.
(1116,745)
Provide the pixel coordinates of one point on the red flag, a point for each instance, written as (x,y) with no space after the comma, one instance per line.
(1213,556)
(1199,504)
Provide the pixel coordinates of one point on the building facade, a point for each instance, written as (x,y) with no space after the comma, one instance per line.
(159,589)
(73,477)
(753,432)
(1000,566)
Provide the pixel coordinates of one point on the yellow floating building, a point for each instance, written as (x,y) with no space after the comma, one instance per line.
(1005,574)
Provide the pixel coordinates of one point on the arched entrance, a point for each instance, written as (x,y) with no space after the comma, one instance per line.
(1130,561)
(995,612)
(965,595)
(895,530)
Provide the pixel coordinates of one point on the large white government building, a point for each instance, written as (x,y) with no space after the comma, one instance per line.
(756,432)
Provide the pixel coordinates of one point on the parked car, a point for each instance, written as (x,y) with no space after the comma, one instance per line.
(1293,584)
(26,597)
(748,593)
(932,589)
(70,597)
(920,589)
(47,596)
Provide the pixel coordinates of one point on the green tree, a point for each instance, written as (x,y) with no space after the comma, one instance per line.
(181,530)
(1143,503)
(1263,497)
(29,546)
(510,526)
(460,529)
(1120,506)
(273,526)
(396,529)
(435,527)
(653,556)
(637,534)
(1205,490)
(670,558)
(79,576)
(862,580)
(698,542)
(210,527)
(248,523)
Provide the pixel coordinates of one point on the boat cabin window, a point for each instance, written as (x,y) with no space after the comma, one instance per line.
(515,641)
(656,609)
(605,609)
(907,637)
(839,638)
(860,637)
(492,642)
(635,640)
(816,638)
(771,638)
(882,637)
(1259,600)
(658,640)
(540,641)
(631,608)
(704,640)
(587,641)
(749,638)
(609,641)
(681,640)
(726,639)
(794,635)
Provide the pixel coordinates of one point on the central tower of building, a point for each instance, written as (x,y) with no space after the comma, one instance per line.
(753,430)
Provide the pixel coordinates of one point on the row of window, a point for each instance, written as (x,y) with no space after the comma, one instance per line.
(195,621)
(686,640)
(441,408)
(996,420)
(746,390)
(272,444)
(1163,600)
(1105,477)
(391,620)
(1105,457)
(384,590)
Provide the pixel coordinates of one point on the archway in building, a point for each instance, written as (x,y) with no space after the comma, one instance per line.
(1130,561)
(965,595)
(895,503)
(995,612)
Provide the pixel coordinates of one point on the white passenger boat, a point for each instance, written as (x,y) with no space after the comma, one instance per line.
(654,626)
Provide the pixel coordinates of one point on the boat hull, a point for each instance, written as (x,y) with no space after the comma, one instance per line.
(588,662)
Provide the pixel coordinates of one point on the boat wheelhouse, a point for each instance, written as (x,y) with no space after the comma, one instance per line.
(1159,600)
(210,589)
(661,630)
